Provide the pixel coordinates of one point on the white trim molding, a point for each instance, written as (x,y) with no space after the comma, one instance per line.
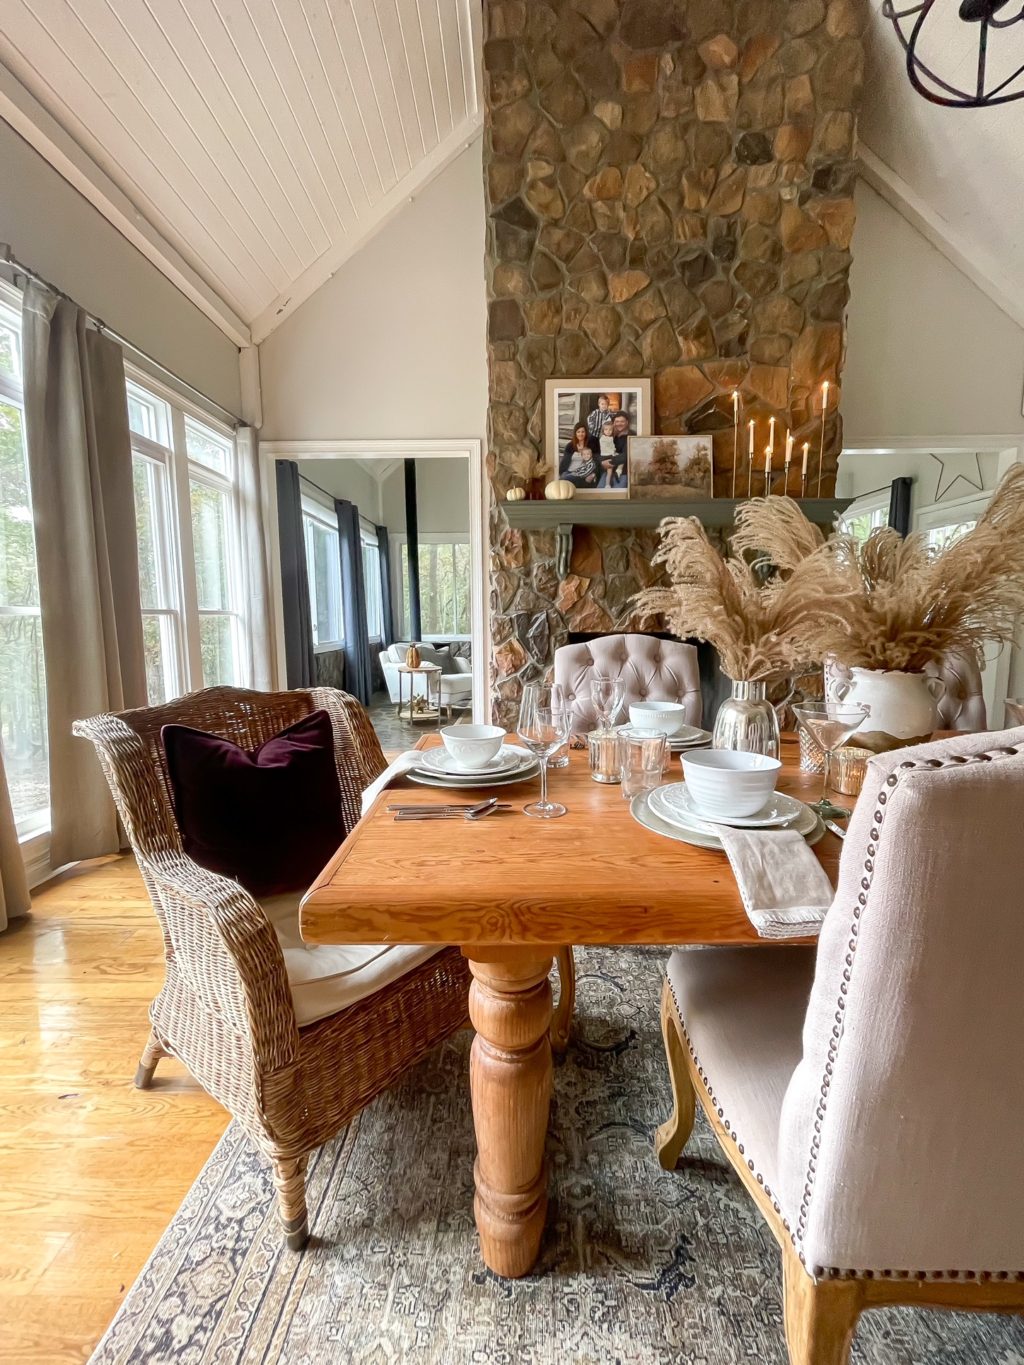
(980,268)
(467,448)
(460,139)
(42,131)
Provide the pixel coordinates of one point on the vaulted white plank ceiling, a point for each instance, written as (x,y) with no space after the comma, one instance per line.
(962,167)
(261,141)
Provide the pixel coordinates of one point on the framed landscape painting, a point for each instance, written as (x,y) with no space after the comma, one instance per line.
(678,467)
(588,427)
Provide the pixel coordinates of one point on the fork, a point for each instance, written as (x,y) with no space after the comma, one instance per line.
(465,813)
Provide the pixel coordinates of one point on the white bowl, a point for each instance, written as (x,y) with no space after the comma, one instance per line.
(727,782)
(668,716)
(472,746)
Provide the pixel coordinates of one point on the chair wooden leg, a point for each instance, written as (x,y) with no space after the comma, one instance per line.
(561,1022)
(290,1181)
(820,1317)
(151,1054)
(674,1133)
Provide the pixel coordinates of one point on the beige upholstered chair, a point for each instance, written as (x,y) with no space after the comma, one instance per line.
(293,1040)
(651,669)
(871,1094)
(962,704)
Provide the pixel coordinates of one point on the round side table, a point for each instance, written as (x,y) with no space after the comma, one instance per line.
(419,710)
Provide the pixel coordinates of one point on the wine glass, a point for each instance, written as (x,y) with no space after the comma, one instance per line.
(543,728)
(830,724)
(607,695)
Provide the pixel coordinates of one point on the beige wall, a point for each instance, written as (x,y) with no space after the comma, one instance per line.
(928,352)
(345,479)
(58,233)
(393,345)
(442,497)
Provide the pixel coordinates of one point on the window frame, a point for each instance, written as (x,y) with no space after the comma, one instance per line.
(369,539)
(399,544)
(33,830)
(315,512)
(178,571)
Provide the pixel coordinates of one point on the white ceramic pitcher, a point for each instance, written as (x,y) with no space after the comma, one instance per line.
(903,705)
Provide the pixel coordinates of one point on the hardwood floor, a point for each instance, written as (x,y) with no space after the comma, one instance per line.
(91,1170)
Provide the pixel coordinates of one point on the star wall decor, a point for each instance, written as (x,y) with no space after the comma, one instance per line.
(952,469)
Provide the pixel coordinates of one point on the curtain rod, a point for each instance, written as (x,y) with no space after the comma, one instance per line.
(324,491)
(19,267)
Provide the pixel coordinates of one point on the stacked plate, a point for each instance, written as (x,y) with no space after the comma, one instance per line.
(688,737)
(437,768)
(670,810)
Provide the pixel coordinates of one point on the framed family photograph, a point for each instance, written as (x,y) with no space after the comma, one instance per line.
(677,467)
(588,427)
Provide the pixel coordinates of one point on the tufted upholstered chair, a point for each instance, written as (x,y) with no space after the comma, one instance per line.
(962,704)
(870,1093)
(652,669)
(293,1040)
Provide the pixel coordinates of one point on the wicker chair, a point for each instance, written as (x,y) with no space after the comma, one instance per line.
(226,1009)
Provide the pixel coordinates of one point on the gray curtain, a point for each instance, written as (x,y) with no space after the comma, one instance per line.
(358,667)
(900,491)
(14,898)
(80,464)
(387,617)
(300,656)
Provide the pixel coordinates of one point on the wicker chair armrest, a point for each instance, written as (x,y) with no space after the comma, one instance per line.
(358,755)
(141,805)
(226,948)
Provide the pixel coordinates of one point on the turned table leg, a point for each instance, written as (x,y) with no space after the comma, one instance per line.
(510,1078)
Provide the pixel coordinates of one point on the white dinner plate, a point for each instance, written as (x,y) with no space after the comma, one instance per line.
(440,761)
(689,738)
(809,826)
(523,774)
(779,811)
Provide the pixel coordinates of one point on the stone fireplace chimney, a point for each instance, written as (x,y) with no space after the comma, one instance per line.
(669,192)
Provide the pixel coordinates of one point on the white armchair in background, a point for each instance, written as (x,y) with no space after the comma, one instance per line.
(455,685)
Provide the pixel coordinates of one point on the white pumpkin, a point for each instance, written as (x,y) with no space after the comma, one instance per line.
(559,490)
(515,495)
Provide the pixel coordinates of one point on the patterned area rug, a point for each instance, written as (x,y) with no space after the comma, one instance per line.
(639,1265)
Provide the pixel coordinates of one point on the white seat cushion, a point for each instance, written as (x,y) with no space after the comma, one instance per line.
(326,978)
(456,685)
(743,1011)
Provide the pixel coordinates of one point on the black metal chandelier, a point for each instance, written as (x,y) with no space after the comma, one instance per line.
(910,22)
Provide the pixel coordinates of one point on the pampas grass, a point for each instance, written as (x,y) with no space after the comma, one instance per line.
(760,629)
(905,604)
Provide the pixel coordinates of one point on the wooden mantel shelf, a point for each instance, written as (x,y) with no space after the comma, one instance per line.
(537,514)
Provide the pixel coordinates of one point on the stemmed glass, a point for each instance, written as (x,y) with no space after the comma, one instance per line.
(543,728)
(830,724)
(607,695)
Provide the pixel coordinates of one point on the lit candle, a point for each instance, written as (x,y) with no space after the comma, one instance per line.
(735,436)
(750,466)
(807,446)
(751,431)
(771,433)
(821,450)
(789,446)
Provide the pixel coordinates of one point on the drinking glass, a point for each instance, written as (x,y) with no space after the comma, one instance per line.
(830,724)
(643,759)
(543,728)
(607,695)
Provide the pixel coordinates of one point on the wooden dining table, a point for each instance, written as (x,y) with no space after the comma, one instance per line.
(511,891)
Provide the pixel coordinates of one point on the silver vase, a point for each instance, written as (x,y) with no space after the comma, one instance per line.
(747,721)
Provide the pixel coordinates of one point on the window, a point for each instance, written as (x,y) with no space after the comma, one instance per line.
(444,564)
(371,583)
(323,568)
(22,678)
(865,515)
(187,518)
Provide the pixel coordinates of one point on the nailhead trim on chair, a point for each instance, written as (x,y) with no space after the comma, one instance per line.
(835,1272)
(721,1114)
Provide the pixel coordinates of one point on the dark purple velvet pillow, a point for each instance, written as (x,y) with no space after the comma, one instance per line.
(270,819)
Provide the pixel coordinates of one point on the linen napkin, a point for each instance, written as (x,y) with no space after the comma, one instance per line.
(784,888)
(398,767)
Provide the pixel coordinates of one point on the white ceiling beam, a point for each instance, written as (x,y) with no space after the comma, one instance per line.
(969,258)
(40,130)
(458,140)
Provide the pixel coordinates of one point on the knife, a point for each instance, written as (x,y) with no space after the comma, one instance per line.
(837,830)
